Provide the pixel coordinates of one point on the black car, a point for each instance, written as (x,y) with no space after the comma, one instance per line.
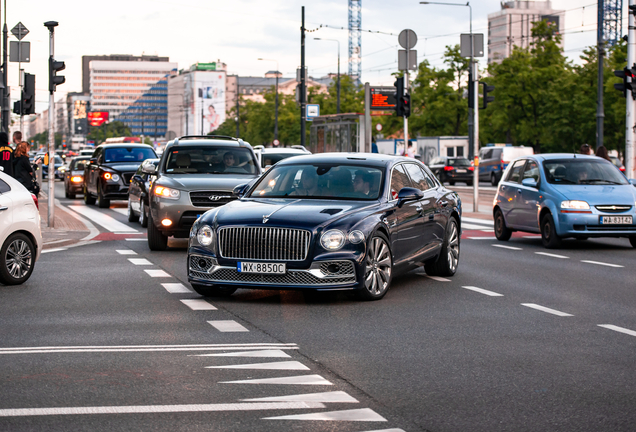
(74,176)
(452,169)
(140,190)
(328,222)
(108,174)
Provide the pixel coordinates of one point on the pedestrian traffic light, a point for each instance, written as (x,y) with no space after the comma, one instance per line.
(626,85)
(17,108)
(399,93)
(485,98)
(54,67)
(28,94)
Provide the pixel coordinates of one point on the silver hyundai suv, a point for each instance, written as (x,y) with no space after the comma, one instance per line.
(195,174)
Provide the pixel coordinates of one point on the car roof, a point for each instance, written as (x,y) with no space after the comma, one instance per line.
(208,140)
(283,150)
(121,145)
(553,156)
(374,159)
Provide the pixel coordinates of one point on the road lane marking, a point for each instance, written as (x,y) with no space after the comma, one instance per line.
(293,380)
(126,252)
(478,221)
(198,304)
(148,348)
(602,263)
(329,397)
(282,365)
(483,238)
(136,239)
(507,247)
(545,309)
(176,288)
(618,329)
(276,353)
(157,273)
(120,210)
(228,326)
(138,409)
(438,278)
(552,255)
(108,222)
(139,261)
(483,291)
(387,430)
(487,230)
(53,250)
(469,226)
(364,414)
(532,237)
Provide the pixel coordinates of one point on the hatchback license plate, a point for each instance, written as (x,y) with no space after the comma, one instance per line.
(616,220)
(462,171)
(264,268)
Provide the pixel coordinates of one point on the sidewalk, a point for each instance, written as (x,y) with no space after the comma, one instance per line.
(67,230)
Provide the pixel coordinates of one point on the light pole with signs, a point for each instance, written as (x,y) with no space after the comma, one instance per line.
(20,52)
(407,60)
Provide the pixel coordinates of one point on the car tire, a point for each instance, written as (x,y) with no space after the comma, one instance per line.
(549,237)
(632,241)
(213,291)
(143,217)
(156,240)
(502,232)
(130,213)
(101,201)
(378,271)
(88,198)
(493,180)
(17,259)
(469,183)
(448,260)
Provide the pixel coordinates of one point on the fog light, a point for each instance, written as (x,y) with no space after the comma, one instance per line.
(333,268)
(166,222)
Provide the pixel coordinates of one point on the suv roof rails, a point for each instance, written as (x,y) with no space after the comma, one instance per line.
(219,137)
(299,147)
(259,147)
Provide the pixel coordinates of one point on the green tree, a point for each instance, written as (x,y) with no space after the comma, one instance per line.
(108,130)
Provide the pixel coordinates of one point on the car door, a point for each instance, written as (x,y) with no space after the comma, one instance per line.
(407,220)
(136,187)
(508,193)
(484,156)
(429,232)
(6,210)
(528,199)
(92,171)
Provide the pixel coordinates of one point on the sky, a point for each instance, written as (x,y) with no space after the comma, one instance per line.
(239,32)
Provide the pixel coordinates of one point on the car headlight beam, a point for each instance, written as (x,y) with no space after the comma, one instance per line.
(332,240)
(205,235)
(165,192)
(575,205)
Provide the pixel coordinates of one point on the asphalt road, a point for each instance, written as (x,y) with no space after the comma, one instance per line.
(521,339)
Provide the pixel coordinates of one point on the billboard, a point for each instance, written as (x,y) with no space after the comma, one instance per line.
(204,95)
(383,98)
(79,109)
(97,118)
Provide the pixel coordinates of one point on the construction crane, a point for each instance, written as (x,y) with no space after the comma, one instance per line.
(355,39)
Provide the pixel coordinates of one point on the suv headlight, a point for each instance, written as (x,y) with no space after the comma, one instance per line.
(575,205)
(111,176)
(165,192)
(332,240)
(205,235)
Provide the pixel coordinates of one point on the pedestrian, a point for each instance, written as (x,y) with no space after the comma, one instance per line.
(602,153)
(17,139)
(6,154)
(22,169)
(585,149)
(410,152)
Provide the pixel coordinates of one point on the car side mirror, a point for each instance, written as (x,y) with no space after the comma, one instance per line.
(633,182)
(529,182)
(408,194)
(93,160)
(240,190)
(138,178)
(149,169)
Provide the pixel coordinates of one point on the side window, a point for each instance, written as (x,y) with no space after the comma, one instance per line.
(98,156)
(487,154)
(496,154)
(531,171)
(515,172)
(399,179)
(417,176)
(429,179)
(4,187)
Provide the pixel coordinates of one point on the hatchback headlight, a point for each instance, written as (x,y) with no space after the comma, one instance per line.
(205,235)
(575,205)
(165,192)
(332,240)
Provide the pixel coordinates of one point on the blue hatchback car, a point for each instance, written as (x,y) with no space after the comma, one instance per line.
(565,195)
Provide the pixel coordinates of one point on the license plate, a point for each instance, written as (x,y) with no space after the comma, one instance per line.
(462,171)
(616,220)
(264,268)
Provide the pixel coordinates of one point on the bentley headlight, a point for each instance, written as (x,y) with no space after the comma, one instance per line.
(356,237)
(332,240)
(204,236)
(115,177)
(165,192)
(575,205)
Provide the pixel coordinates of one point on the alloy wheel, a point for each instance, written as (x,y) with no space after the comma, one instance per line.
(378,272)
(453,248)
(18,258)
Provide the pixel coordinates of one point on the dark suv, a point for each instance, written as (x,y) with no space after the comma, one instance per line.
(195,174)
(108,173)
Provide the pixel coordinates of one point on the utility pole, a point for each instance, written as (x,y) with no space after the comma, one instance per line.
(303,83)
(54,80)
(202,118)
(6,93)
(630,132)
(238,117)
(600,114)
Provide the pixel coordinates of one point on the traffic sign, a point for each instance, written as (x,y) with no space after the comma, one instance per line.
(20,31)
(407,39)
(313,110)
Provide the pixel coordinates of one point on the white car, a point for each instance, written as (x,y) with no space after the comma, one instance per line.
(20,233)
(268,156)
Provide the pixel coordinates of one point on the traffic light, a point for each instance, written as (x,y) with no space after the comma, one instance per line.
(485,98)
(399,94)
(626,85)
(405,105)
(54,67)
(28,94)
(17,109)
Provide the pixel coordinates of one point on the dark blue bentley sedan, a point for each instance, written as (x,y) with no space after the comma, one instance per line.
(338,221)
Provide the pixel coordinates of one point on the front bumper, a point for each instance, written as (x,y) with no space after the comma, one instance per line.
(589,225)
(205,270)
(180,211)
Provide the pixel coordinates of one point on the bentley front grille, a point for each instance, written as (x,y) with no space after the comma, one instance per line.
(259,243)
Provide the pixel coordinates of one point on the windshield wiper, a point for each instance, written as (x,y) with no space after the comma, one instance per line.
(586,181)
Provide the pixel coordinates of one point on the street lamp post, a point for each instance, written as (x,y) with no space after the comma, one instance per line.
(338,101)
(473,116)
(276,106)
